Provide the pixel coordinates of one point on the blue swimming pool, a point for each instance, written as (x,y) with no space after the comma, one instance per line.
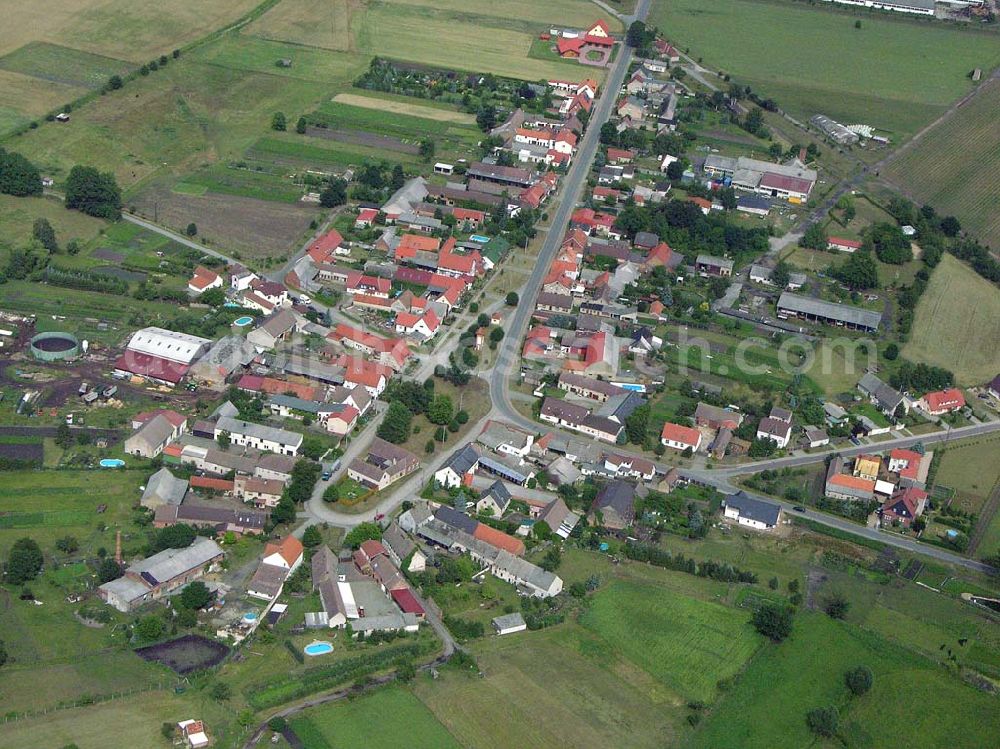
(318,648)
(242,322)
(250,617)
(112,463)
(479,238)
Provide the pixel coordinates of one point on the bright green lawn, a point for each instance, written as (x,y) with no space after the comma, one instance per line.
(387,718)
(768,705)
(687,644)
(891,74)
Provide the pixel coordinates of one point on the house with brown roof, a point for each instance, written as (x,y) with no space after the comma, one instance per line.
(384,464)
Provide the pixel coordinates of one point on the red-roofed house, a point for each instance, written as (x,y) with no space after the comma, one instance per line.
(906,463)
(410,244)
(679,437)
(667,50)
(499,539)
(904,506)
(286,553)
(593,222)
(390,351)
(620,156)
(360,283)
(705,205)
(323,249)
(343,421)
(366,217)
(943,401)
(843,245)
(203,280)
(424,326)
(659,255)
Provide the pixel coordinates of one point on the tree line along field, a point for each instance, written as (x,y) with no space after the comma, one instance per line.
(892,74)
(957,324)
(954,165)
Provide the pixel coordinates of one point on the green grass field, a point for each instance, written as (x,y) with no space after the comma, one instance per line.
(957,324)
(400,717)
(70,67)
(971,469)
(768,705)
(943,171)
(556,687)
(891,74)
(17,216)
(687,644)
(414,33)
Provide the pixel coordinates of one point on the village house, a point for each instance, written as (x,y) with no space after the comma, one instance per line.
(887,398)
(259,436)
(156,576)
(203,280)
(678,437)
(384,464)
(708,265)
(579,418)
(776,427)
(904,506)
(840,485)
(752,512)
(941,402)
(614,506)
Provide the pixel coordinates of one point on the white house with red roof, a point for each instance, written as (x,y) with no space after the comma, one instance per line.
(366,218)
(843,245)
(362,283)
(392,352)
(286,553)
(594,223)
(941,402)
(203,280)
(423,326)
(904,506)
(323,249)
(678,437)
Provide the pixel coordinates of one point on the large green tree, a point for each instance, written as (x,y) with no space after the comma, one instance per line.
(195,595)
(24,561)
(94,193)
(18,176)
(395,426)
(773,620)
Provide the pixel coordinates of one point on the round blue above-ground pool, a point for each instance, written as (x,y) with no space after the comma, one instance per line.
(250,617)
(242,322)
(112,463)
(318,648)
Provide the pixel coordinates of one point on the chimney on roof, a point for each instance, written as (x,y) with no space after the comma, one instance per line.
(118,547)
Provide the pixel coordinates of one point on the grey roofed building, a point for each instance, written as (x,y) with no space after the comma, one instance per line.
(646,240)
(620,407)
(828,312)
(463,460)
(412,219)
(500,494)
(753,204)
(416,516)
(267,581)
(885,396)
(301,404)
(509,623)
(312,369)
(754,509)
(456,519)
(560,519)
(385,623)
(258,432)
(563,472)
(163,488)
(226,355)
(714,262)
(411,193)
(226,408)
(274,329)
(511,469)
(149,440)
(170,563)
(616,503)
(397,543)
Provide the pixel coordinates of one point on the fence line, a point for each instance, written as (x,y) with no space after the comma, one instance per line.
(83,701)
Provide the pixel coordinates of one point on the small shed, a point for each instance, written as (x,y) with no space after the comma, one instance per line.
(509,624)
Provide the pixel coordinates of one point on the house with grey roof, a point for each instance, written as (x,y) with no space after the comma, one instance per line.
(163,488)
(149,440)
(226,355)
(259,436)
(614,505)
(495,500)
(751,511)
(462,461)
(887,398)
(156,576)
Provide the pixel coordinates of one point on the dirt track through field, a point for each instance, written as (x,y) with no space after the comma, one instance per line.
(361,138)
(399,107)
